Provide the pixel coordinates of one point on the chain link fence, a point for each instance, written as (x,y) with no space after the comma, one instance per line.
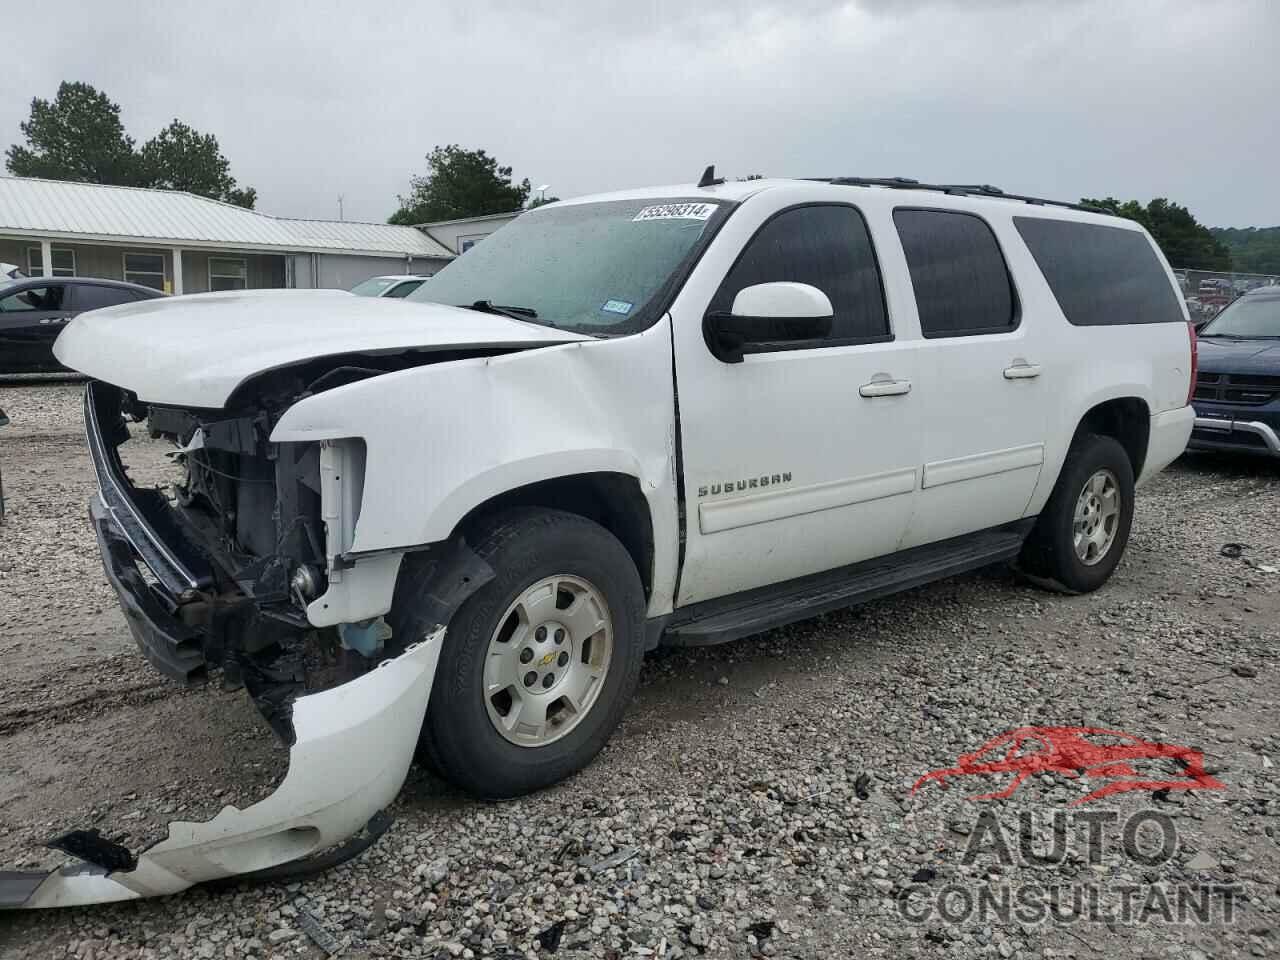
(1208,291)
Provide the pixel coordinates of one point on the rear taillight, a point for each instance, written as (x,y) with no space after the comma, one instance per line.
(1195,359)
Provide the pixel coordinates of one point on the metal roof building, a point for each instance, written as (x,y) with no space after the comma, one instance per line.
(181,242)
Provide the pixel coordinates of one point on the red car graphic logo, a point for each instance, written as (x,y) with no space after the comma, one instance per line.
(1072,751)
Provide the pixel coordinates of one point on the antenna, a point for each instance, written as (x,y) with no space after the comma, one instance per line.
(340,198)
(709,178)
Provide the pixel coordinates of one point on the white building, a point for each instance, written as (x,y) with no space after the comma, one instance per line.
(459,236)
(183,243)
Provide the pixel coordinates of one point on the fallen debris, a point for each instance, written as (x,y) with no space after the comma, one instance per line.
(617,860)
(310,925)
(549,939)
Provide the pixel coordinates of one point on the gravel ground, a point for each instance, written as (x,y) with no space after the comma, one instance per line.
(756,800)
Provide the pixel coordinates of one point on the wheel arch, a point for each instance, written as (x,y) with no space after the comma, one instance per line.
(613,500)
(1125,419)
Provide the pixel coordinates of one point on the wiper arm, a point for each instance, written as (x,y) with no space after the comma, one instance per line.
(511,313)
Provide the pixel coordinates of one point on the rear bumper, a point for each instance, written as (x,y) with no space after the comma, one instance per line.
(353,749)
(1166,441)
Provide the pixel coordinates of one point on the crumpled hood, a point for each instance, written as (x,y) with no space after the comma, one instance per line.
(1222,355)
(194,351)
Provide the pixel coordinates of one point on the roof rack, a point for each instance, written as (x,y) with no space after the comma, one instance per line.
(955,189)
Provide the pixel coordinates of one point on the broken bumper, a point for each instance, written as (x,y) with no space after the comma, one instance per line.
(170,646)
(353,749)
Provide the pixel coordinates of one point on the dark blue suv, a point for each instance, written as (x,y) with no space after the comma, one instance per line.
(1237,393)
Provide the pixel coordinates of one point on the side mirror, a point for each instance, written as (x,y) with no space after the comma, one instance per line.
(768,313)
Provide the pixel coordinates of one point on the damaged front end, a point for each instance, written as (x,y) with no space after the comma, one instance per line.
(243,571)
(218,573)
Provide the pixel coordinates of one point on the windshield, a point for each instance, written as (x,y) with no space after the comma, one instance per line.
(594,268)
(374,286)
(1247,317)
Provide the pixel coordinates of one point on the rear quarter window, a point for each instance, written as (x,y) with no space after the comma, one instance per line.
(1100,275)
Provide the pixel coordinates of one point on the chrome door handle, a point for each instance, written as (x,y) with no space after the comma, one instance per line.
(884,388)
(1022,371)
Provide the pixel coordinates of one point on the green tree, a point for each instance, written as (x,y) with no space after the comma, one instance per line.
(460,183)
(1186,243)
(77,136)
(180,158)
(1253,249)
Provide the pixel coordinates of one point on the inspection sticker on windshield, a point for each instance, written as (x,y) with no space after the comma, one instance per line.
(676,211)
(617,306)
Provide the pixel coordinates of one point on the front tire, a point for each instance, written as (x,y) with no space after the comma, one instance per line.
(1082,532)
(538,665)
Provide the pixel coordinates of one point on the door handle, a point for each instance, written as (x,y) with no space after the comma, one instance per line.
(884,388)
(1022,370)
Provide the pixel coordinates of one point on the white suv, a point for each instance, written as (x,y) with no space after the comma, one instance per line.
(677,415)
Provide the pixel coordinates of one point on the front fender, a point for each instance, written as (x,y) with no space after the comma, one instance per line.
(442,439)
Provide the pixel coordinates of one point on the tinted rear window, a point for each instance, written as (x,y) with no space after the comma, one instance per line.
(91,297)
(1100,275)
(959,276)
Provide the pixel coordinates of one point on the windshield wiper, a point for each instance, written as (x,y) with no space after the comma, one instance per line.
(511,313)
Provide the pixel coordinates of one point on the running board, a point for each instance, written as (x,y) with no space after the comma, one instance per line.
(728,618)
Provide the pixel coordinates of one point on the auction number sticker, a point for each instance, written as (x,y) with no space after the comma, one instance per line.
(676,211)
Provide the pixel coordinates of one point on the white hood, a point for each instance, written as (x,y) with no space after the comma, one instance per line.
(194,351)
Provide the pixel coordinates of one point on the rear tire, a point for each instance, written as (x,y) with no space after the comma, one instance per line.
(1082,532)
(549,567)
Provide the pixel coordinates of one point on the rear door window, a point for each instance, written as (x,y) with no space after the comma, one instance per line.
(91,296)
(825,246)
(959,275)
(1100,275)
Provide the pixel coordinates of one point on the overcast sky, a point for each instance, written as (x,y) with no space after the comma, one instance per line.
(1059,98)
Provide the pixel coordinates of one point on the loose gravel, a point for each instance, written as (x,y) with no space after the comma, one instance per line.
(757,800)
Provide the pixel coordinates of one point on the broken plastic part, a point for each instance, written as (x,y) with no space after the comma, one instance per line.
(353,749)
(366,637)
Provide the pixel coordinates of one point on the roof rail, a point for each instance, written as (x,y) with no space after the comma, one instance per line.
(955,189)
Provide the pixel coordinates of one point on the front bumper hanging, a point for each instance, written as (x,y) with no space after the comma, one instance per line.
(353,749)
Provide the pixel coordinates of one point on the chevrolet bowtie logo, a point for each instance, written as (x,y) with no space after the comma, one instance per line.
(546,660)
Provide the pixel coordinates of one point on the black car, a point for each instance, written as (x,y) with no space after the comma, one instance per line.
(33,311)
(1237,394)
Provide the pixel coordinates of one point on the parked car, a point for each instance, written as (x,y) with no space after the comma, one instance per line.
(395,286)
(751,403)
(1237,395)
(33,311)
(10,271)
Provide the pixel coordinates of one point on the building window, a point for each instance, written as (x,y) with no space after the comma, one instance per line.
(227,274)
(64,262)
(145,268)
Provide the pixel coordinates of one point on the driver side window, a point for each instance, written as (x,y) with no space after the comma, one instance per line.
(35,298)
(826,246)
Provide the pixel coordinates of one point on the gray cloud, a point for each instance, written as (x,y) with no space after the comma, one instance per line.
(311,100)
